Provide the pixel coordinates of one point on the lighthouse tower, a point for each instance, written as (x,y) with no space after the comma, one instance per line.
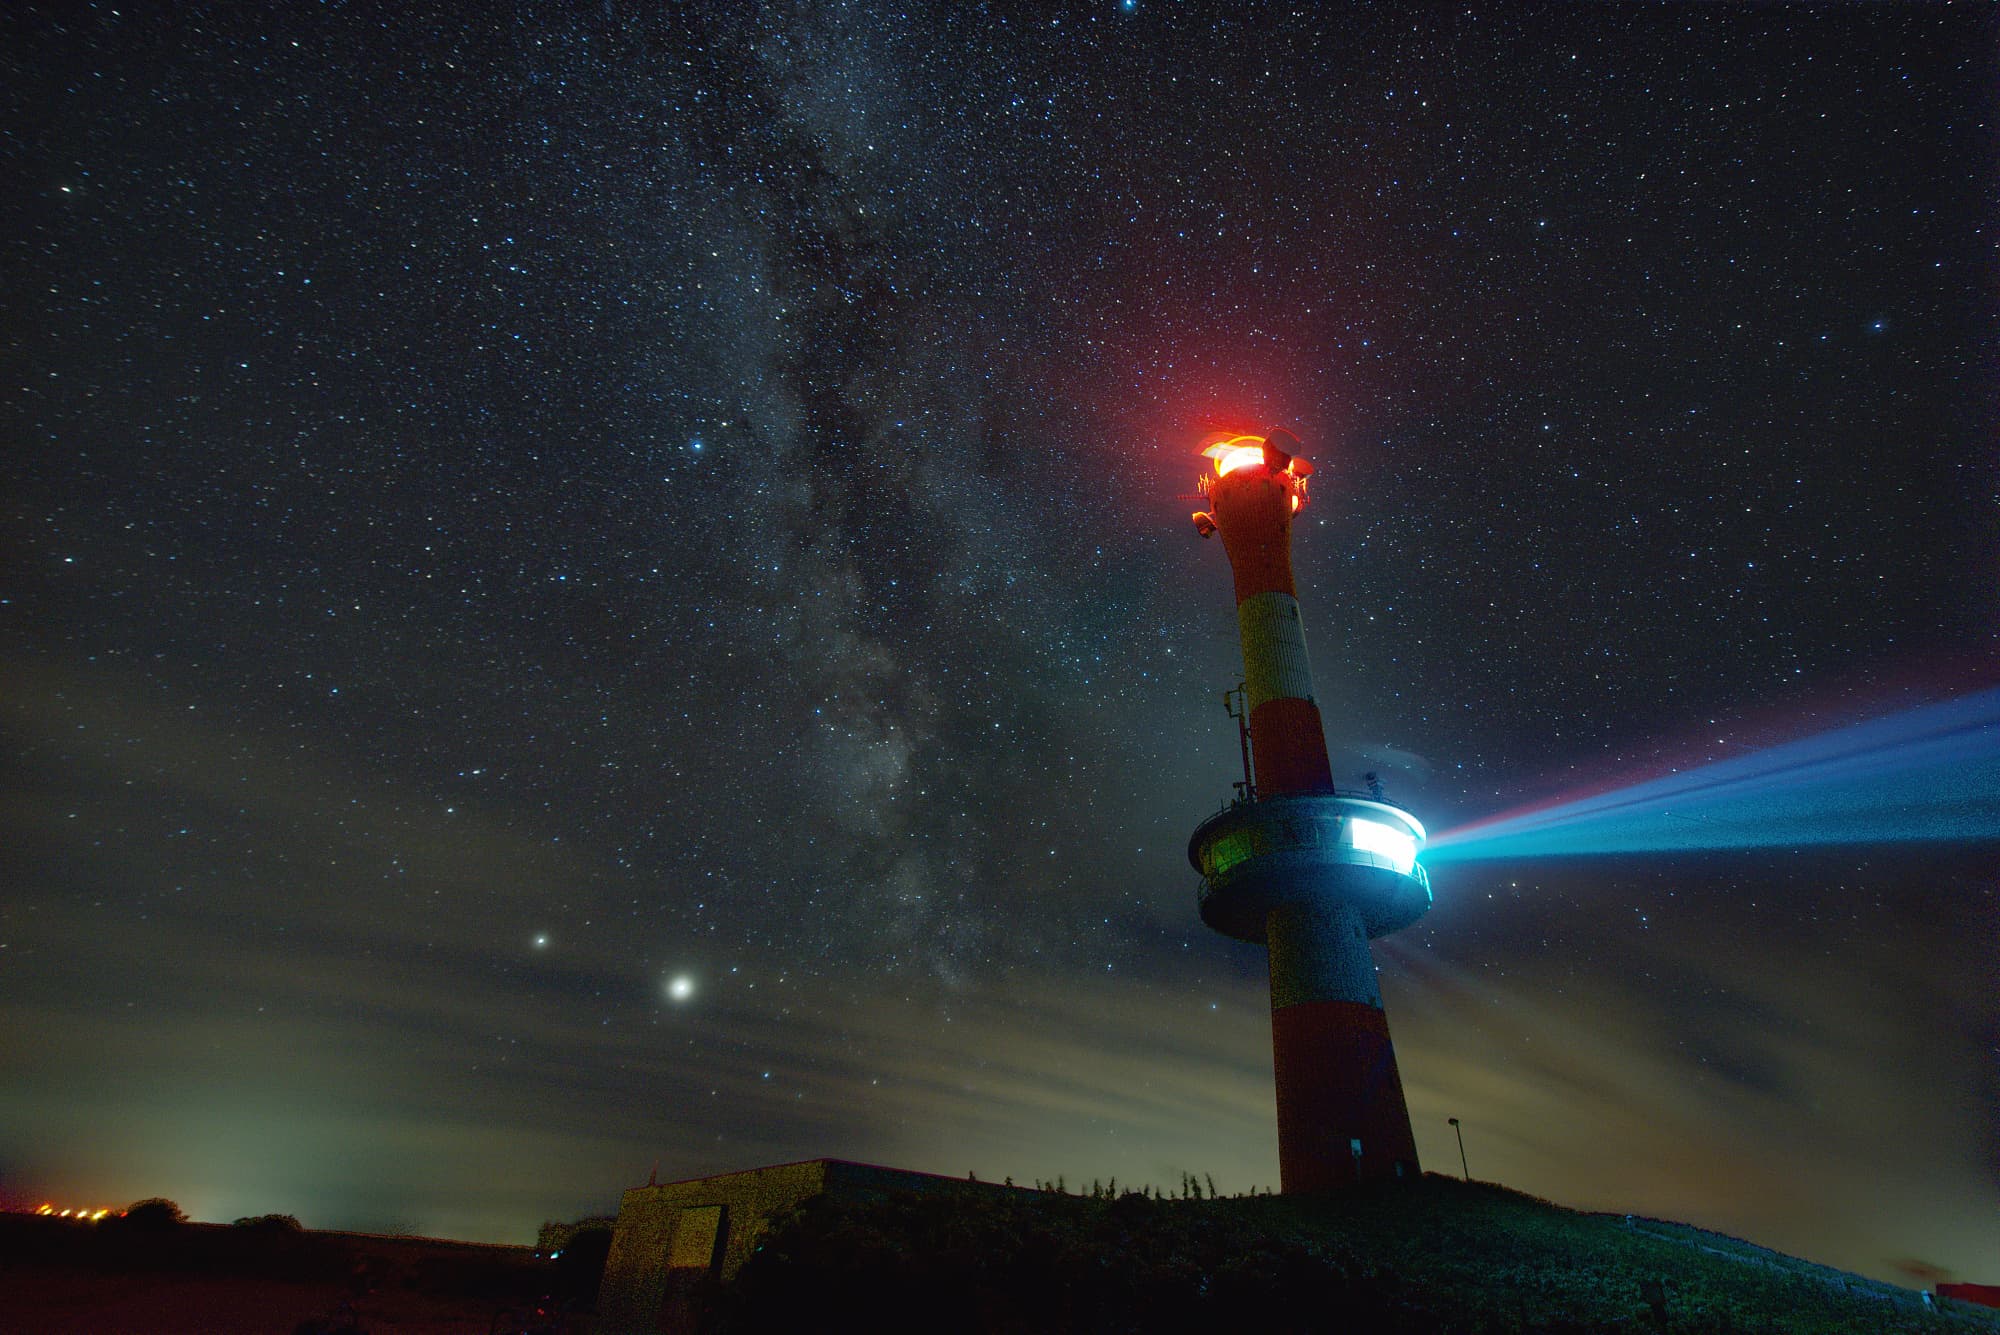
(1312,872)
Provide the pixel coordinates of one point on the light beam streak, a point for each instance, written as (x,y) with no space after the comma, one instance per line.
(1930,774)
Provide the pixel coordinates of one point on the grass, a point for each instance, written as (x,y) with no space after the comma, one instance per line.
(1410,1259)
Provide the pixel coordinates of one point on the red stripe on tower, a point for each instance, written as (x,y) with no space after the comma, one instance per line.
(1337,1084)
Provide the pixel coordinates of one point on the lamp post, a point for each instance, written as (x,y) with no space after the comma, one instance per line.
(1460,1133)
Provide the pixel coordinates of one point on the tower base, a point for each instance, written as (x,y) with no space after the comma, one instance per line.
(1341,1114)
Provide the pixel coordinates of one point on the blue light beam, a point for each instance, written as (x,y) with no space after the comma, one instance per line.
(1930,774)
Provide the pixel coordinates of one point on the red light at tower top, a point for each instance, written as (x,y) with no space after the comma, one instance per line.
(1233,451)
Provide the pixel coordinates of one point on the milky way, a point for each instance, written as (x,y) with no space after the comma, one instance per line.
(503,516)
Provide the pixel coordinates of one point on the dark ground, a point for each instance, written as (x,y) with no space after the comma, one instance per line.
(58,1277)
(1425,1259)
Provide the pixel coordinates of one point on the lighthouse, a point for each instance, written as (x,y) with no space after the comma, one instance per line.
(1310,871)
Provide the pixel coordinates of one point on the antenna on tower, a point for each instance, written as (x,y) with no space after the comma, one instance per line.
(1236,707)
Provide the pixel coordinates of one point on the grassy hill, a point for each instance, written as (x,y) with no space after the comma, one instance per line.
(1425,1258)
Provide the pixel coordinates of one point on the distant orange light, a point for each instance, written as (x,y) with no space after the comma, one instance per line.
(1234,452)
(82,1213)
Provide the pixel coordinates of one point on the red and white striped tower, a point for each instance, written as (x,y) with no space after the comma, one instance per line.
(1312,872)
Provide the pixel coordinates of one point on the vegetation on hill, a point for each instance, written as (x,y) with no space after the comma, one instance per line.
(1411,1259)
(155,1214)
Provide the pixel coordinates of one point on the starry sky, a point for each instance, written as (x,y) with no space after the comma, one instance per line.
(592,587)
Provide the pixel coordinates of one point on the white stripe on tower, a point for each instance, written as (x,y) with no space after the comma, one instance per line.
(1274,648)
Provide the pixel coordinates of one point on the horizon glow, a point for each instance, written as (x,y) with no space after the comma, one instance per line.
(1929,774)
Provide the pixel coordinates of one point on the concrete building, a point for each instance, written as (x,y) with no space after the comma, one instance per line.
(672,1235)
(1309,871)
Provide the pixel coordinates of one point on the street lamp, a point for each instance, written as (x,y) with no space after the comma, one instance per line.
(1461,1149)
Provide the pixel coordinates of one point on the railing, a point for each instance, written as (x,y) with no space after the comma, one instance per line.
(1230,804)
(1237,834)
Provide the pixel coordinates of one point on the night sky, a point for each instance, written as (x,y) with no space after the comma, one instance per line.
(611,586)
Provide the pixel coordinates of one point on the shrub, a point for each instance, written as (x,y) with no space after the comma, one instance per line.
(270,1223)
(155,1214)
